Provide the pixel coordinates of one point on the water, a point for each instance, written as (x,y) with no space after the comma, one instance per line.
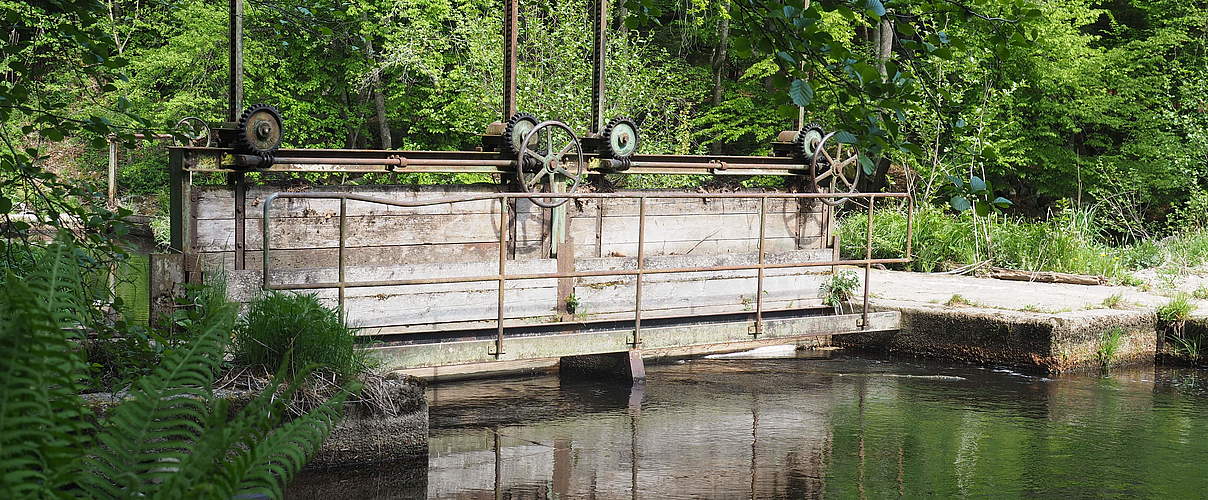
(843,427)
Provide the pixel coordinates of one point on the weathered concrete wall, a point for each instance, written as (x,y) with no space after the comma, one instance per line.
(1050,342)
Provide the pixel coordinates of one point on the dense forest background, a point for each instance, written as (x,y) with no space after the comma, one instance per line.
(1092,102)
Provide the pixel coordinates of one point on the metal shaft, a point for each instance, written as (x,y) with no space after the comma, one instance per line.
(599,54)
(235,77)
(510,15)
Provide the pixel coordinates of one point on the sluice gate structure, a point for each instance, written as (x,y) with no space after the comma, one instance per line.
(449,279)
(544,262)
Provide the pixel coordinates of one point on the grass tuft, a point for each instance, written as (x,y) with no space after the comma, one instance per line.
(1177,310)
(298,331)
(1114,302)
(1109,345)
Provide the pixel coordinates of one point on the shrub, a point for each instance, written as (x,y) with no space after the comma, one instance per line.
(1192,216)
(280,323)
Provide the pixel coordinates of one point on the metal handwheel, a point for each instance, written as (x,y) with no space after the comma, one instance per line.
(532,166)
(843,171)
(195,131)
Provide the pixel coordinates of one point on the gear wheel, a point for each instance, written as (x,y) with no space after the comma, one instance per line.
(260,130)
(620,138)
(807,139)
(517,127)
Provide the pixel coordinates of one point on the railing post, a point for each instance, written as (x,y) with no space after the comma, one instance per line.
(867,263)
(909,226)
(503,245)
(637,308)
(340,256)
(763,209)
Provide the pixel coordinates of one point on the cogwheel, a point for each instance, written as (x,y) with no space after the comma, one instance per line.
(807,139)
(260,130)
(620,138)
(519,125)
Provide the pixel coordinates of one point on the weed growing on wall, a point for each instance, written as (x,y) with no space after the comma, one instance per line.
(838,289)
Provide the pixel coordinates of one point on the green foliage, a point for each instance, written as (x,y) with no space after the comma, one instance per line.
(1192,216)
(1177,310)
(295,332)
(974,194)
(1115,301)
(839,287)
(49,447)
(1109,345)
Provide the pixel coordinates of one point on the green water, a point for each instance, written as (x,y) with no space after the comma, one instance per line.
(836,426)
(132,287)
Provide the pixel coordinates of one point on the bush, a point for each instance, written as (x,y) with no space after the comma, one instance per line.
(283,326)
(1194,215)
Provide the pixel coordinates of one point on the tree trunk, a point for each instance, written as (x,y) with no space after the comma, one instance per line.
(379,100)
(720,53)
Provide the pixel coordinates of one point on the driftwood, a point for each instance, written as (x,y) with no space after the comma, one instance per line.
(1046,277)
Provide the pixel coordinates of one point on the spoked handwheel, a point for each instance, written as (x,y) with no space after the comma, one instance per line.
(545,154)
(192,131)
(839,169)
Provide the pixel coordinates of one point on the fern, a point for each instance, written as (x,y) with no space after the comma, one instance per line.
(43,421)
(170,439)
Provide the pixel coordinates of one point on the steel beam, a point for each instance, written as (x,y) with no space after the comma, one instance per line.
(235,76)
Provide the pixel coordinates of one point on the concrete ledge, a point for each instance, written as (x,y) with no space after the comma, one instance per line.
(658,339)
(1054,343)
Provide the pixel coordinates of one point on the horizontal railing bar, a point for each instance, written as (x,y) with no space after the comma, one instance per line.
(577,196)
(580,274)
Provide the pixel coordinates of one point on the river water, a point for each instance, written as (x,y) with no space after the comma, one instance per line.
(820,425)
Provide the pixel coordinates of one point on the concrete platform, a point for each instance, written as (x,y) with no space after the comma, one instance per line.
(1046,326)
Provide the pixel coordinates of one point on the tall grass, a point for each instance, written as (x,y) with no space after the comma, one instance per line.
(1070,241)
(299,332)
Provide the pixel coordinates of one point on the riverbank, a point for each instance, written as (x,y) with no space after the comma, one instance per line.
(1048,326)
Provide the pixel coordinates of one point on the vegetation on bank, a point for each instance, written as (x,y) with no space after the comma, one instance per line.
(1071,240)
(52,445)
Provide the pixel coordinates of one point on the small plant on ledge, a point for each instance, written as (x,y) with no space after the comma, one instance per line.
(839,288)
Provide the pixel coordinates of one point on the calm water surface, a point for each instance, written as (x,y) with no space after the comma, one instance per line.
(832,426)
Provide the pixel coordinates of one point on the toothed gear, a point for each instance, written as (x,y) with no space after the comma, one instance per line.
(620,138)
(518,125)
(260,130)
(807,139)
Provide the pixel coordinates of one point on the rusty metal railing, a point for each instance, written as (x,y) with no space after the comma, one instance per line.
(502,277)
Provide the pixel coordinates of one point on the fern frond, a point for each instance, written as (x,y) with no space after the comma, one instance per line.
(146,436)
(43,422)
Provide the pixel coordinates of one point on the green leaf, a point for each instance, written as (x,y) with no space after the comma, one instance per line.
(875,6)
(1001,202)
(6,205)
(801,92)
(959,203)
(867,164)
(845,137)
(787,58)
(977,184)
(981,208)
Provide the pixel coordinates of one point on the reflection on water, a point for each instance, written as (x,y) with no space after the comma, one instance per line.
(805,428)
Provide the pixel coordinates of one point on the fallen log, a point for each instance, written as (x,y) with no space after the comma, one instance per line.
(1046,277)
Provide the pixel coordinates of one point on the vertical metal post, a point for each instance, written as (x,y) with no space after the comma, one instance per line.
(637,307)
(600,16)
(909,226)
(235,77)
(511,13)
(340,255)
(240,186)
(867,264)
(503,239)
(266,241)
(763,209)
(112,172)
(498,466)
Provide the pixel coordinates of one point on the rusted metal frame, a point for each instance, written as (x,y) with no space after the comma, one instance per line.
(503,232)
(599,54)
(763,207)
(637,307)
(574,196)
(867,263)
(511,14)
(580,274)
(339,256)
(235,76)
(239,185)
